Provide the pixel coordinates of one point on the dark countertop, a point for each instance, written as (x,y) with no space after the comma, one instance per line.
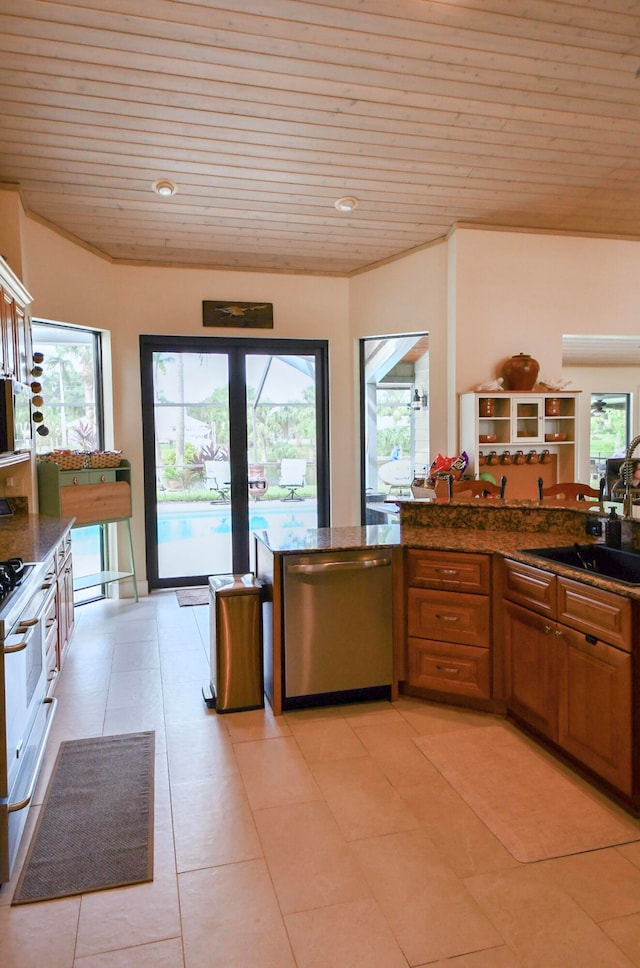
(511,544)
(330,539)
(31,537)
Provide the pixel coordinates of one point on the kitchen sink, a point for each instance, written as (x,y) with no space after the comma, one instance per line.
(623,566)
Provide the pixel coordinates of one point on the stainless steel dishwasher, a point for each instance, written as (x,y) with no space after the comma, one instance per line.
(337,626)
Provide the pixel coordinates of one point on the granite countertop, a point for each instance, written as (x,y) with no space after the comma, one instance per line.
(512,544)
(31,537)
(330,539)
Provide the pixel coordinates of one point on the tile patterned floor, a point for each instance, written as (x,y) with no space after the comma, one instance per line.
(321,839)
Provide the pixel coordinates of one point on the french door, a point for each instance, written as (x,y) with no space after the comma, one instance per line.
(235,441)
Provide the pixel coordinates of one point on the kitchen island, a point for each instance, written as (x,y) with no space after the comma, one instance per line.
(477,621)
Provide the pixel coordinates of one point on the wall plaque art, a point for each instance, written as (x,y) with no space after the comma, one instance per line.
(245,315)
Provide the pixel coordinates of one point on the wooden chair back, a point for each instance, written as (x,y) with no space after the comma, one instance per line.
(475,488)
(571,490)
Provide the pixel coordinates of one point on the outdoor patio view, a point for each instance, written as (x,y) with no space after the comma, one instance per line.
(193,468)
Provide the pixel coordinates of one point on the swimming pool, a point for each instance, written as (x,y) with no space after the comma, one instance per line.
(179,524)
(196,539)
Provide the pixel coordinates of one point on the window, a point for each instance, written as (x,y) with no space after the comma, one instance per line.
(394,374)
(71,383)
(610,430)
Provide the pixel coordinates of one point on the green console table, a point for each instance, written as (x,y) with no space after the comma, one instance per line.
(92,495)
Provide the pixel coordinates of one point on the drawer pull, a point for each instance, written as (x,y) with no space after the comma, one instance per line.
(447,618)
(446,571)
(451,670)
(76,481)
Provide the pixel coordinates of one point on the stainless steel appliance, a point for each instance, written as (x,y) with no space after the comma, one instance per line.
(337,626)
(235,618)
(26,713)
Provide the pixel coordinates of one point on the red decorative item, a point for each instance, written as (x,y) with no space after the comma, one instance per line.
(521,372)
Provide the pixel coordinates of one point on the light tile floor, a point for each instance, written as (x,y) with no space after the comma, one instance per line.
(320,839)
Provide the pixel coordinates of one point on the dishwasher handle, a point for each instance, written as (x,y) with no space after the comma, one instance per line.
(328,566)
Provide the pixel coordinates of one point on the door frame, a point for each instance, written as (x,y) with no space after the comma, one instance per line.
(237,349)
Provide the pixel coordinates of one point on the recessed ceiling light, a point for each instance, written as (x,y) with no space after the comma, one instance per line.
(165,187)
(346,204)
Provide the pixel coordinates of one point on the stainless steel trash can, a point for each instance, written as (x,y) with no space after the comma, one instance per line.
(235,617)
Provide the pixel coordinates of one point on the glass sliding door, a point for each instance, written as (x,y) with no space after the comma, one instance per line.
(235,441)
(394,373)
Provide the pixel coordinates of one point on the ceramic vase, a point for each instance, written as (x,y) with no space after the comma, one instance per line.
(521,372)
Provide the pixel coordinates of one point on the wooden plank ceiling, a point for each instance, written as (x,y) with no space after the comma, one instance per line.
(515,113)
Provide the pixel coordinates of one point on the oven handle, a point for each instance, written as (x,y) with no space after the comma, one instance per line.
(21,804)
(20,646)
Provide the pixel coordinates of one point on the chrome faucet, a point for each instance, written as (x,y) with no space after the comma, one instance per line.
(626,475)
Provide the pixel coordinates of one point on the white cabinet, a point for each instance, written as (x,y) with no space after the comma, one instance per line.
(521,435)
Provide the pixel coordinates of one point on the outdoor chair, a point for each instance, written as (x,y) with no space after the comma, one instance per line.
(218,474)
(292,477)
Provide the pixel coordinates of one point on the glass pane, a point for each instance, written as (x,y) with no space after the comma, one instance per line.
(193,479)
(69,388)
(609,436)
(73,421)
(395,382)
(281,441)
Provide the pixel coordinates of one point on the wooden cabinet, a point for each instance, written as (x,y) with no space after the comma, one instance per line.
(595,706)
(522,435)
(50,619)
(531,656)
(448,623)
(58,611)
(569,669)
(64,595)
(15,326)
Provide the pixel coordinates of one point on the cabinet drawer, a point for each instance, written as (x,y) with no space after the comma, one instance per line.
(448,617)
(532,587)
(96,502)
(438,569)
(105,476)
(460,669)
(79,476)
(596,612)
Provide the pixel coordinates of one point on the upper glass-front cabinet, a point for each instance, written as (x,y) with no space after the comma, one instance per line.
(526,420)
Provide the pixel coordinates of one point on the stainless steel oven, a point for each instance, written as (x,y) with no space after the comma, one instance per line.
(26,712)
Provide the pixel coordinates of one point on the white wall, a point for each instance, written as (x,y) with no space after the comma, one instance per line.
(519,293)
(407,296)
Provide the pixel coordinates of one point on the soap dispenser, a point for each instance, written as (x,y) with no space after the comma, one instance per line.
(613,530)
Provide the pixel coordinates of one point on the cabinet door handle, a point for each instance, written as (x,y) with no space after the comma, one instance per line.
(547,629)
(452,670)
(447,618)
(558,633)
